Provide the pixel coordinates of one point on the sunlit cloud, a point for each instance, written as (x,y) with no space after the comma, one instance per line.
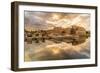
(46,19)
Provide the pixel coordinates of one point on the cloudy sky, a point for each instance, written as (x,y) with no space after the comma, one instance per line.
(49,20)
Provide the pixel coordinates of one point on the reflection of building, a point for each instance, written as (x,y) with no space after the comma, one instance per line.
(74,34)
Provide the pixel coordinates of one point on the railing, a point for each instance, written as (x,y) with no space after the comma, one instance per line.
(57,39)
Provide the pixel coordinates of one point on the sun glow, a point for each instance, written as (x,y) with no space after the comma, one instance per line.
(55,50)
(56,16)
